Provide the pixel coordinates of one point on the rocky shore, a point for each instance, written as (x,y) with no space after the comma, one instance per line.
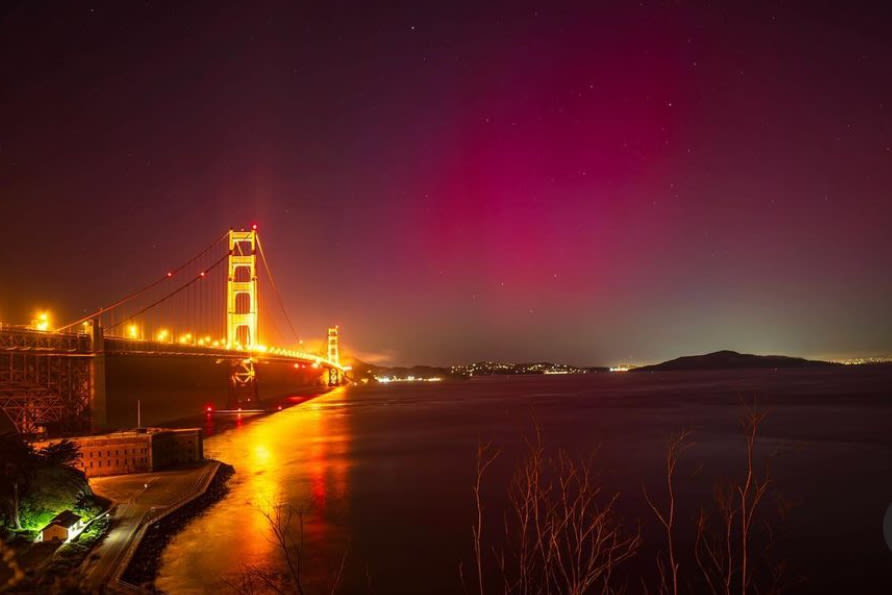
(146,560)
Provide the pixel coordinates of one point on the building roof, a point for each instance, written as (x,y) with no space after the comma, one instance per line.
(112,438)
(66,519)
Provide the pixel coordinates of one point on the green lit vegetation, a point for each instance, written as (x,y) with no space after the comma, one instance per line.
(54,489)
(36,485)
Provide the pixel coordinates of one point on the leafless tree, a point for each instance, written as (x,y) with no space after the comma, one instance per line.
(724,548)
(669,577)
(561,534)
(486,454)
(286,522)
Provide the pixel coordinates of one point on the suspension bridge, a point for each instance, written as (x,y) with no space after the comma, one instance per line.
(190,340)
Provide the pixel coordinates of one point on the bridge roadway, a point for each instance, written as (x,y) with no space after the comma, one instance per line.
(60,380)
(118,345)
(45,343)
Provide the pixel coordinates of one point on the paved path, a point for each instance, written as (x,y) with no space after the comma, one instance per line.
(135,497)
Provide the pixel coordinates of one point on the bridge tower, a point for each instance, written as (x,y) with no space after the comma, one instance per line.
(241,289)
(334,377)
(333,355)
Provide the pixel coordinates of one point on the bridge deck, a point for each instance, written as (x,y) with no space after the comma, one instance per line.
(58,380)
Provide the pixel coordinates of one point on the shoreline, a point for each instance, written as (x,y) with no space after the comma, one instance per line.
(141,568)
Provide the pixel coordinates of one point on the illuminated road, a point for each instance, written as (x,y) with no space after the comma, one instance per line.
(135,496)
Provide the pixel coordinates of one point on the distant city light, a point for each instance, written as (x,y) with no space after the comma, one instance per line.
(389,379)
(861,361)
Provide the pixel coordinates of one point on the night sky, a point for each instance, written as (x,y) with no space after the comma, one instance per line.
(592,184)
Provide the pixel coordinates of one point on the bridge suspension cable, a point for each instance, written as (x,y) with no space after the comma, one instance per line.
(133,295)
(192,304)
(163,299)
(275,289)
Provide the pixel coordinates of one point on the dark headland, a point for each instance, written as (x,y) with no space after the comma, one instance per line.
(731,360)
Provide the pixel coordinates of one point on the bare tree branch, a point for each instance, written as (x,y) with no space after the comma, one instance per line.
(667,518)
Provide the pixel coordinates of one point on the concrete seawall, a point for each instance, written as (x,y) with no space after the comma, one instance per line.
(122,578)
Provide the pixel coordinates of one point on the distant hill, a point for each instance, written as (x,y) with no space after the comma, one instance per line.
(731,360)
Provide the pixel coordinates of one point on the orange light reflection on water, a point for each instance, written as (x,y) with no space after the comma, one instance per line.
(299,457)
(313,437)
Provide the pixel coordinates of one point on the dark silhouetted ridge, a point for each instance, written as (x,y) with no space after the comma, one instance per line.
(730,360)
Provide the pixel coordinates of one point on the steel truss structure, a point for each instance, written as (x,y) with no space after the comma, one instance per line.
(242,384)
(45,380)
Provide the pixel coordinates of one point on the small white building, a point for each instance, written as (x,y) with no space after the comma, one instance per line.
(64,527)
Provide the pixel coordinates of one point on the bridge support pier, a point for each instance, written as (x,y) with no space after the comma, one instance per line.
(243,385)
(98,404)
(334,377)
